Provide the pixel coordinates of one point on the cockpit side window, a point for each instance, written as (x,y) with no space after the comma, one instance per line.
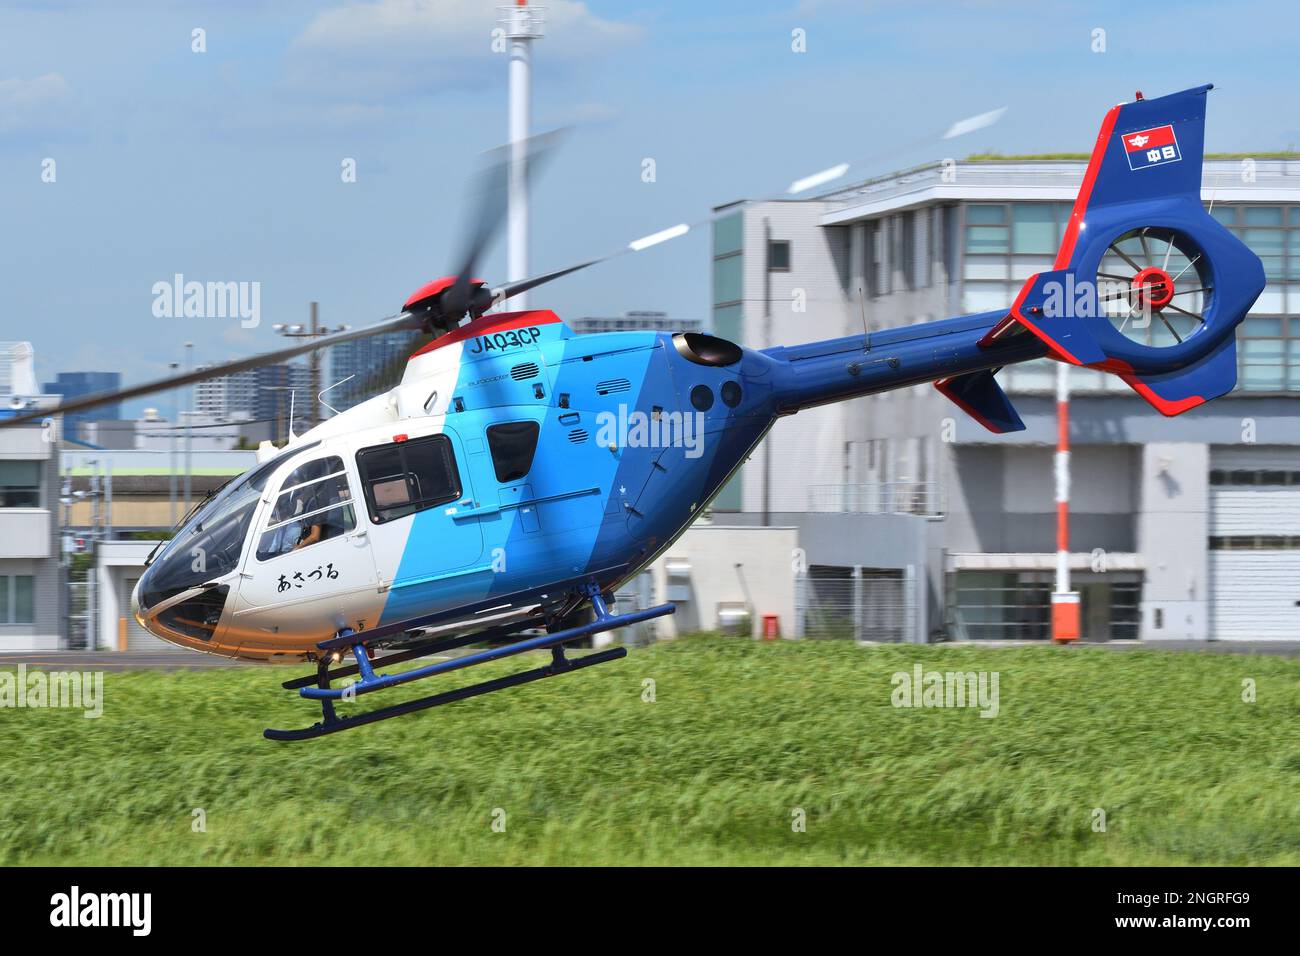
(209,542)
(314,505)
(408,476)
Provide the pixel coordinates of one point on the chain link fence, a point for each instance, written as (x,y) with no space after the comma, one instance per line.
(860,604)
(80,622)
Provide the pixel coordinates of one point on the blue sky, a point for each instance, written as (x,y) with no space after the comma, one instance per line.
(225,165)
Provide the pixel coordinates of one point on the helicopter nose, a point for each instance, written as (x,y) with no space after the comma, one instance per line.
(135,602)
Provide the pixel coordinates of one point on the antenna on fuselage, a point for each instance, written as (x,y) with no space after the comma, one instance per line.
(320,396)
(866,329)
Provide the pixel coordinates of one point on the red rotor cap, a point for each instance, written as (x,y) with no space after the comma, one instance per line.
(437,286)
(1154,287)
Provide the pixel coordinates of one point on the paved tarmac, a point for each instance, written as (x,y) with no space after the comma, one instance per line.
(1274,648)
(118,660)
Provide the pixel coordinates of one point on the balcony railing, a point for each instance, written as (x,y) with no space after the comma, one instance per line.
(878,497)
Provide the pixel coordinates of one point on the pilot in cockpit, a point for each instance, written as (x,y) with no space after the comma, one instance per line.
(327,524)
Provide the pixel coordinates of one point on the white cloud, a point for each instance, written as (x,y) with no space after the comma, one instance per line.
(384,48)
(31,105)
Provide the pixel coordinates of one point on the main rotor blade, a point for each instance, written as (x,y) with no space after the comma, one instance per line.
(523,285)
(501,293)
(492,185)
(394,323)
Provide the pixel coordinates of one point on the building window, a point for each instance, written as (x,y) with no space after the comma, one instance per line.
(728,276)
(951,245)
(986,229)
(778,255)
(1017,605)
(1034,229)
(937,244)
(907,249)
(728,234)
(727,323)
(20,484)
(1000,605)
(1256,476)
(1268,341)
(16,604)
(921,249)
(878,257)
(1255,542)
(512,445)
(405,477)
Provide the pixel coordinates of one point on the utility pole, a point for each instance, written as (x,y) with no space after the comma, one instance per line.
(280,411)
(313,414)
(189,367)
(171,470)
(522,24)
(313,330)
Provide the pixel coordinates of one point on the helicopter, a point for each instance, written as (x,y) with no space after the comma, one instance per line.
(480,502)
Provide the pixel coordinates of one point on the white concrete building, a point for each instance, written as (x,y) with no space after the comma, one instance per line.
(32,598)
(118,566)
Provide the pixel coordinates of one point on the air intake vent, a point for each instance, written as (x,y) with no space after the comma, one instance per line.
(525,371)
(578,436)
(613,386)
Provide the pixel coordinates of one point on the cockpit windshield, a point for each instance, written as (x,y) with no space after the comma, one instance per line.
(210,543)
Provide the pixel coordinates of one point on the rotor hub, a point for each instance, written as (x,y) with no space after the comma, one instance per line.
(1153,288)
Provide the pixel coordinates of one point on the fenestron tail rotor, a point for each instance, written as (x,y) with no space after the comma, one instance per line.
(1154,286)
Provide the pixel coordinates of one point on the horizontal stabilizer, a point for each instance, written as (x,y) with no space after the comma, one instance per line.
(980,396)
(1173,393)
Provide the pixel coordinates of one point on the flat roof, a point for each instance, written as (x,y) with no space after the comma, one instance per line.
(988,179)
(1051,177)
(148,462)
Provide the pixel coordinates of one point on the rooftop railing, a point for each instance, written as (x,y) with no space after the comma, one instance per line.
(877,497)
(1050,175)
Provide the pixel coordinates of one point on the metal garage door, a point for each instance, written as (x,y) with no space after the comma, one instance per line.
(1255,543)
(137,638)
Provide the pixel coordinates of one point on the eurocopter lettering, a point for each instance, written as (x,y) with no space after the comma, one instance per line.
(474,503)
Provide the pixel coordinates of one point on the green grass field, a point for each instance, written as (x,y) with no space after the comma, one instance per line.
(739,736)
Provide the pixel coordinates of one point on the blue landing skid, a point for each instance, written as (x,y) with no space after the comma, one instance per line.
(370,681)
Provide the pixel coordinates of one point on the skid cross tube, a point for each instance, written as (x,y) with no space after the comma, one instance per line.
(373,682)
(422,649)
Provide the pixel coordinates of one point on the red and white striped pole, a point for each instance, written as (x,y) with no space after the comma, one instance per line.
(1065,603)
